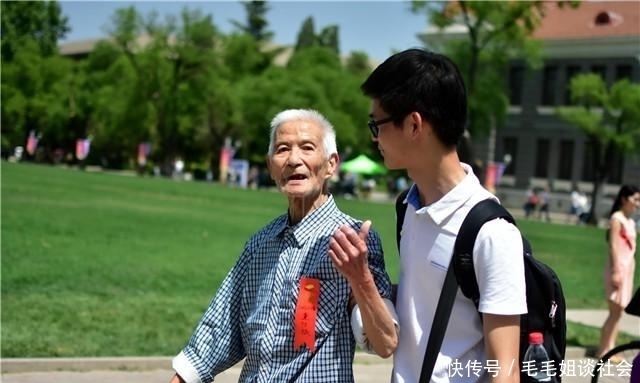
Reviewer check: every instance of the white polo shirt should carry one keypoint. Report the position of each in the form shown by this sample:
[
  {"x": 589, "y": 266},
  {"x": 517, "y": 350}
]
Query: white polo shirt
[{"x": 426, "y": 247}]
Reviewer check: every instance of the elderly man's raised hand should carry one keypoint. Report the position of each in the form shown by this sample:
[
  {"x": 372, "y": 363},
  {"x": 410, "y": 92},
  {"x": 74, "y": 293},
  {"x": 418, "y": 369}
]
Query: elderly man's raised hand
[{"x": 348, "y": 252}]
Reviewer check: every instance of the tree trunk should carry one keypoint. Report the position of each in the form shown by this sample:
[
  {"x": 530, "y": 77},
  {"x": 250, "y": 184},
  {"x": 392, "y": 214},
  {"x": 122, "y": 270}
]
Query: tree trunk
[{"x": 598, "y": 187}]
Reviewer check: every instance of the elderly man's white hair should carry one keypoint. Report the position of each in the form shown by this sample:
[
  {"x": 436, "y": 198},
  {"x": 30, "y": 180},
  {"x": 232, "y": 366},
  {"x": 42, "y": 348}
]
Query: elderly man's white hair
[{"x": 329, "y": 134}]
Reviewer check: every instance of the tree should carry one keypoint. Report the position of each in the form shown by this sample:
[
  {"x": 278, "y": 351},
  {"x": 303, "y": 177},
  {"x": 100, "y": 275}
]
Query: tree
[
  {"x": 358, "y": 64},
  {"x": 256, "y": 24},
  {"x": 496, "y": 32},
  {"x": 610, "y": 119},
  {"x": 33, "y": 78},
  {"x": 120, "y": 116},
  {"x": 322, "y": 83},
  {"x": 180, "y": 85},
  {"x": 40, "y": 21},
  {"x": 174, "y": 63},
  {"x": 328, "y": 38},
  {"x": 306, "y": 35},
  {"x": 35, "y": 97}
]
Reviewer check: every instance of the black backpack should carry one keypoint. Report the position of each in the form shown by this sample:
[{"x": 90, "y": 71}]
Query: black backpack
[{"x": 546, "y": 307}]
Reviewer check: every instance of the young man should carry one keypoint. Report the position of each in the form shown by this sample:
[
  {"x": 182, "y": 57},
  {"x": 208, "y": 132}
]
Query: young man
[
  {"x": 418, "y": 115},
  {"x": 283, "y": 306}
]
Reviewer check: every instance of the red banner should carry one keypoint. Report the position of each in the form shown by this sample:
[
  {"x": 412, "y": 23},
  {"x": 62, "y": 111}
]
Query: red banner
[
  {"x": 493, "y": 175},
  {"x": 82, "y": 148},
  {"x": 306, "y": 312},
  {"x": 144, "y": 148},
  {"x": 32, "y": 143}
]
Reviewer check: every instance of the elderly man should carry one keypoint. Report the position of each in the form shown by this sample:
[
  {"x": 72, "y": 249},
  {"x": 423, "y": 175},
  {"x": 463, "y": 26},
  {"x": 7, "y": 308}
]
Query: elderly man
[{"x": 284, "y": 306}]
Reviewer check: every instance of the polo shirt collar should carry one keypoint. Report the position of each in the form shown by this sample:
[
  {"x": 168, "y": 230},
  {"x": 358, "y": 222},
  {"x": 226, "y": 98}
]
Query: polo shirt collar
[{"x": 446, "y": 206}]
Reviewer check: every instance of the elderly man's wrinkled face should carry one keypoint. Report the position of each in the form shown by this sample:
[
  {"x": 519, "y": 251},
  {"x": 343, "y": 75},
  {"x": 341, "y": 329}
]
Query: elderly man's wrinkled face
[{"x": 299, "y": 164}]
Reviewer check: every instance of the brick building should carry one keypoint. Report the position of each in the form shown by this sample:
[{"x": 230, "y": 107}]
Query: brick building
[{"x": 599, "y": 36}]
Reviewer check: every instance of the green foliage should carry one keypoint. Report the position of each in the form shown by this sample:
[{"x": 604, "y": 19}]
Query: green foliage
[
  {"x": 243, "y": 56},
  {"x": 610, "y": 118},
  {"x": 497, "y": 32},
  {"x": 588, "y": 90},
  {"x": 180, "y": 84},
  {"x": 358, "y": 64},
  {"x": 329, "y": 38},
  {"x": 97, "y": 264},
  {"x": 624, "y": 103},
  {"x": 256, "y": 24},
  {"x": 35, "y": 96},
  {"x": 306, "y": 35},
  {"x": 38, "y": 21}
]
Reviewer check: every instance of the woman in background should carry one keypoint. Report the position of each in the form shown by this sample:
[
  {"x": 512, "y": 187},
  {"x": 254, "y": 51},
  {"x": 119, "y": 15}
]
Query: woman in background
[{"x": 620, "y": 262}]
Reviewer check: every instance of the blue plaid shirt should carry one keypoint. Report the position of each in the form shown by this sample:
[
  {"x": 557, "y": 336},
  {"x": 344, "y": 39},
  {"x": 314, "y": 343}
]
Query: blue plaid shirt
[{"x": 252, "y": 314}]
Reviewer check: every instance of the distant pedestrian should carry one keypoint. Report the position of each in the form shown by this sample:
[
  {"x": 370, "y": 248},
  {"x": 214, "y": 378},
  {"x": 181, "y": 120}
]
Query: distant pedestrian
[
  {"x": 531, "y": 202},
  {"x": 543, "y": 204},
  {"x": 579, "y": 208},
  {"x": 620, "y": 265}
]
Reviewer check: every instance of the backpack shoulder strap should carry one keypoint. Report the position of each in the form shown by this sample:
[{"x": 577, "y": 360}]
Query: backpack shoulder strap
[
  {"x": 462, "y": 262},
  {"x": 401, "y": 209}
]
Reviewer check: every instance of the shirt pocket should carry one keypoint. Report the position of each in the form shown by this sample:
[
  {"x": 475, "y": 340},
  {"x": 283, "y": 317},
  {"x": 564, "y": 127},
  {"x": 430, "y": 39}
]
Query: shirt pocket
[
  {"x": 439, "y": 261},
  {"x": 332, "y": 305}
]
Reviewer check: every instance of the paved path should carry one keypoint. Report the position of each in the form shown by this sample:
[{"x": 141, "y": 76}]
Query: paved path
[
  {"x": 367, "y": 368},
  {"x": 628, "y": 323},
  {"x": 364, "y": 373}
]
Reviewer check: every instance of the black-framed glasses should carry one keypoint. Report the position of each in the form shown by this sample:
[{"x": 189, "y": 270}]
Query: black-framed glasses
[{"x": 374, "y": 125}]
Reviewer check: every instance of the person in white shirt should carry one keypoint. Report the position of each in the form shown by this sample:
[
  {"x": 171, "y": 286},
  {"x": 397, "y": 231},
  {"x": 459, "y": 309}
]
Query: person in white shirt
[{"x": 418, "y": 116}]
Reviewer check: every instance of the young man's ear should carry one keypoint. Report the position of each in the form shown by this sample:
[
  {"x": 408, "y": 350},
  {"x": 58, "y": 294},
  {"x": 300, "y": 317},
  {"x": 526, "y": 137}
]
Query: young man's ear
[{"x": 416, "y": 123}]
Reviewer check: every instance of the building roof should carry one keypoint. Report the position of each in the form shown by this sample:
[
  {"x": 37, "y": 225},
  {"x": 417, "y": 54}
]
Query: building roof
[
  {"x": 71, "y": 48},
  {"x": 592, "y": 19},
  {"x": 82, "y": 47},
  {"x": 593, "y": 29}
]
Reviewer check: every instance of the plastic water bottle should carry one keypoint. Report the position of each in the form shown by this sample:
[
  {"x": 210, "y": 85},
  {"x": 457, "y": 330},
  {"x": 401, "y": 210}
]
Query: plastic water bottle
[{"x": 536, "y": 360}]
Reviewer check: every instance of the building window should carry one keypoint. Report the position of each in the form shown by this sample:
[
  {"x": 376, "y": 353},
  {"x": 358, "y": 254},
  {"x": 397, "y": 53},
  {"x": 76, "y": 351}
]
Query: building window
[
  {"x": 510, "y": 147},
  {"x": 565, "y": 159},
  {"x": 616, "y": 168},
  {"x": 571, "y": 71},
  {"x": 516, "y": 78},
  {"x": 542, "y": 158},
  {"x": 600, "y": 70},
  {"x": 549, "y": 84},
  {"x": 623, "y": 72}
]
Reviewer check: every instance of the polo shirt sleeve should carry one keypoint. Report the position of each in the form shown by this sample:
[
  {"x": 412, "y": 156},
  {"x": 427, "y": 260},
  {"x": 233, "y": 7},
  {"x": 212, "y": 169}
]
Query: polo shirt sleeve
[{"x": 499, "y": 267}]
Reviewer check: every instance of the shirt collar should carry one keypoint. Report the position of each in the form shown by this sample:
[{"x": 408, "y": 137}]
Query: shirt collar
[
  {"x": 450, "y": 202},
  {"x": 303, "y": 229}
]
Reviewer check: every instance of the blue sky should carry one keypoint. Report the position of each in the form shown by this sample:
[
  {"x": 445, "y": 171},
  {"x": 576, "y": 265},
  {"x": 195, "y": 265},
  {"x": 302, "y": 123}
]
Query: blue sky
[{"x": 376, "y": 27}]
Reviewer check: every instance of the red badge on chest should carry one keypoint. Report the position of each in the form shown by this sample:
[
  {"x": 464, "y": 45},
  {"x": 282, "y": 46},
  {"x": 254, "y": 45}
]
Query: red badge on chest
[{"x": 305, "y": 316}]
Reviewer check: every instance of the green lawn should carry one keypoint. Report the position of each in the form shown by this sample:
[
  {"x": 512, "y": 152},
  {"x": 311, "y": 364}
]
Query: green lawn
[{"x": 96, "y": 264}]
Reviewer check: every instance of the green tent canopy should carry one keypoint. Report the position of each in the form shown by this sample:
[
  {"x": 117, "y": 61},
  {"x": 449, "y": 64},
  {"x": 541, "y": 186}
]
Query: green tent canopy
[{"x": 363, "y": 165}]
